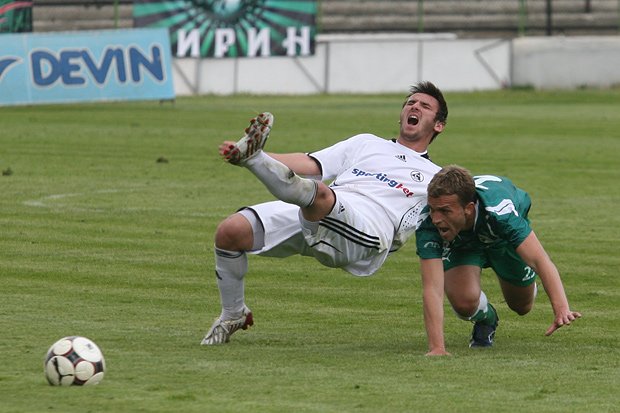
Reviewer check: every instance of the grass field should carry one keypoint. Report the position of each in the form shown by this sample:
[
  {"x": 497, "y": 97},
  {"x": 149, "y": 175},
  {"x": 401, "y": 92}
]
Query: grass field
[{"x": 99, "y": 239}]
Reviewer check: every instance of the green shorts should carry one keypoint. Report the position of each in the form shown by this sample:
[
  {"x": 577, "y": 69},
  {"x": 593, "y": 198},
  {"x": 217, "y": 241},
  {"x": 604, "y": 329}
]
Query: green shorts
[{"x": 502, "y": 258}]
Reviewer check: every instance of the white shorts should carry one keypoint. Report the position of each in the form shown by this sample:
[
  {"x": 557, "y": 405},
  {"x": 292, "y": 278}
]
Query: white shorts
[{"x": 347, "y": 238}]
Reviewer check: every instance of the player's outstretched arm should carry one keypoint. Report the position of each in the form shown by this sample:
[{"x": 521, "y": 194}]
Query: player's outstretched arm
[
  {"x": 432, "y": 296},
  {"x": 300, "y": 163},
  {"x": 533, "y": 253}
]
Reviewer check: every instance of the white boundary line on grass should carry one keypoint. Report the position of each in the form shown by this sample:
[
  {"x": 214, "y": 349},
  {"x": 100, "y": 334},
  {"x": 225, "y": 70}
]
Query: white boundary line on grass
[{"x": 44, "y": 202}]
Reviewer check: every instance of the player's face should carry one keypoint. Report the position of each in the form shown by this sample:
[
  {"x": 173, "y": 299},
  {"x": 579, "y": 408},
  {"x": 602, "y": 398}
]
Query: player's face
[
  {"x": 417, "y": 118},
  {"x": 449, "y": 216}
]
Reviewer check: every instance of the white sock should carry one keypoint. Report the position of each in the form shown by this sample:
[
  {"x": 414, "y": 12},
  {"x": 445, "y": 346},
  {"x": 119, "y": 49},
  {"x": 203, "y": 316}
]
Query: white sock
[
  {"x": 483, "y": 304},
  {"x": 230, "y": 268},
  {"x": 281, "y": 181}
]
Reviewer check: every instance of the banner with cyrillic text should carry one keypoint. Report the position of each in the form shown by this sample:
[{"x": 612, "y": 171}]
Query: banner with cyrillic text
[
  {"x": 232, "y": 28},
  {"x": 92, "y": 66}
]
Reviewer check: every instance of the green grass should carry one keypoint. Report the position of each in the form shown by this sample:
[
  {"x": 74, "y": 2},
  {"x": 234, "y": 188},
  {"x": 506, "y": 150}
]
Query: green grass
[{"x": 98, "y": 239}]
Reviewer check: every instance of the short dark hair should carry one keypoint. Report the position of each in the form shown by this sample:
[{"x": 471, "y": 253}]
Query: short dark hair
[
  {"x": 430, "y": 89},
  {"x": 453, "y": 180}
]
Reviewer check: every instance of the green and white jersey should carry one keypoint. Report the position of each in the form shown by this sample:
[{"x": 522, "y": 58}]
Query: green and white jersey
[{"x": 501, "y": 219}]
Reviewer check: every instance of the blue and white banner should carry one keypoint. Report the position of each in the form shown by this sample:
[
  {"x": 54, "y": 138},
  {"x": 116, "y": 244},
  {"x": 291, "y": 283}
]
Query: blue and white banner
[{"x": 85, "y": 66}]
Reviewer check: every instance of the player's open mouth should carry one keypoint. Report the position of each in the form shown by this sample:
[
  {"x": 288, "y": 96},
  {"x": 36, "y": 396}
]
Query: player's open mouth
[
  {"x": 443, "y": 231},
  {"x": 412, "y": 120}
]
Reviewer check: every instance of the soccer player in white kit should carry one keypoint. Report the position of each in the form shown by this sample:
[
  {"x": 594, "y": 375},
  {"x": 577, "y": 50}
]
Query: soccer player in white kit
[{"x": 370, "y": 208}]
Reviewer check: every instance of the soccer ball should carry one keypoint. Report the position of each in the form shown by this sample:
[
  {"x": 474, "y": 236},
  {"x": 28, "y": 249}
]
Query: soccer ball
[{"x": 74, "y": 361}]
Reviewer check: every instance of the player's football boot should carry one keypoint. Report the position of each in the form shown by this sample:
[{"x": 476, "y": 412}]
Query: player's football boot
[
  {"x": 221, "y": 330},
  {"x": 483, "y": 334},
  {"x": 252, "y": 142}
]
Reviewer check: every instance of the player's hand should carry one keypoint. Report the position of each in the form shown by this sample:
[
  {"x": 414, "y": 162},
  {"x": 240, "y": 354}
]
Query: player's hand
[{"x": 562, "y": 320}]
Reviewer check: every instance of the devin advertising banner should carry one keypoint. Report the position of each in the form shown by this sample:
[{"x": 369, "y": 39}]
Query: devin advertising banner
[
  {"x": 232, "y": 28},
  {"x": 15, "y": 16},
  {"x": 94, "y": 66}
]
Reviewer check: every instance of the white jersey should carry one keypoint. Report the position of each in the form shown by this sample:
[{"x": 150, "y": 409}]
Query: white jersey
[
  {"x": 380, "y": 188},
  {"x": 388, "y": 180}
]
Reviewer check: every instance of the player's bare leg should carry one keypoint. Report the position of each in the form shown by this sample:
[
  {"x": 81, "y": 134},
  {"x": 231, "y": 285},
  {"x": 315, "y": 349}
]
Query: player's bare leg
[
  {"x": 462, "y": 285},
  {"x": 233, "y": 237},
  {"x": 519, "y": 299},
  {"x": 279, "y": 179}
]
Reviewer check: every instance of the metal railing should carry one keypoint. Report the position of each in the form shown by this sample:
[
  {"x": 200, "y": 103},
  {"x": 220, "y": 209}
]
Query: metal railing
[{"x": 523, "y": 16}]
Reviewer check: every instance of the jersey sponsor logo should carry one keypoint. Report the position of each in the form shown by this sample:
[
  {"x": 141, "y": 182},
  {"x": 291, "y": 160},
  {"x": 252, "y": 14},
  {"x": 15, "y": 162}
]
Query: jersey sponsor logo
[
  {"x": 503, "y": 208},
  {"x": 401, "y": 158},
  {"x": 382, "y": 177},
  {"x": 417, "y": 176},
  {"x": 432, "y": 244}
]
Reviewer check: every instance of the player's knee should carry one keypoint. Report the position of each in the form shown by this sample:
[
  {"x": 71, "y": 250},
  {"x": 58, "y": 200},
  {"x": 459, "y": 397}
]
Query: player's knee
[
  {"x": 234, "y": 234},
  {"x": 523, "y": 301},
  {"x": 322, "y": 203},
  {"x": 465, "y": 308},
  {"x": 521, "y": 308}
]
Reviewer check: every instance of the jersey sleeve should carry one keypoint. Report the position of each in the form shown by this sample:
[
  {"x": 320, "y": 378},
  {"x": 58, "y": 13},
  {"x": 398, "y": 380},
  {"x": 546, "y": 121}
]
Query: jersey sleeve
[
  {"x": 512, "y": 228},
  {"x": 338, "y": 157},
  {"x": 428, "y": 241},
  {"x": 507, "y": 207}
]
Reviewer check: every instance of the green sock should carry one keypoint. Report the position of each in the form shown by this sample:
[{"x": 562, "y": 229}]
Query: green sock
[{"x": 488, "y": 316}]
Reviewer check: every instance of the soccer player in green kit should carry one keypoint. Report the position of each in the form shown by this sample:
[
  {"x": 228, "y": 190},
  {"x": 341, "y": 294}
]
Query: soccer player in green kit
[{"x": 477, "y": 222}]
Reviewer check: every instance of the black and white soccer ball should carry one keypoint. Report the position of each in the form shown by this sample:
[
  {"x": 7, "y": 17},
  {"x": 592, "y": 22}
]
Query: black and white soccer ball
[{"x": 74, "y": 361}]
